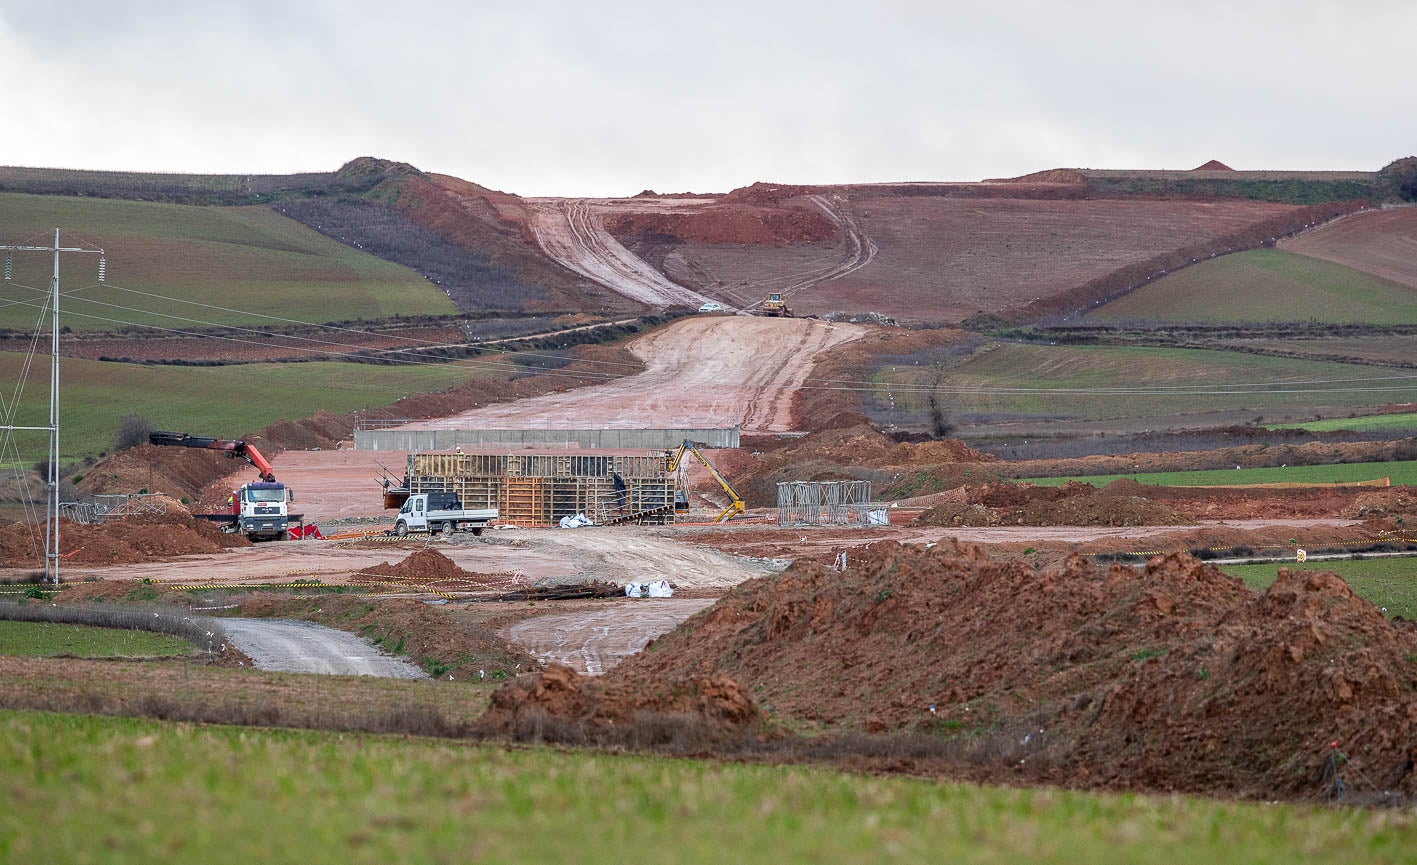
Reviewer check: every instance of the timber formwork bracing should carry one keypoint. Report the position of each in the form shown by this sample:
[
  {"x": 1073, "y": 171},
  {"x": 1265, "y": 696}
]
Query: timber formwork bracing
[
  {"x": 540, "y": 489},
  {"x": 824, "y": 503}
]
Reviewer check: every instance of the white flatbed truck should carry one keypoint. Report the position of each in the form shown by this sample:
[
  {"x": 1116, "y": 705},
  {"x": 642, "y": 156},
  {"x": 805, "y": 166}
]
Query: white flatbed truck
[{"x": 441, "y": 512}]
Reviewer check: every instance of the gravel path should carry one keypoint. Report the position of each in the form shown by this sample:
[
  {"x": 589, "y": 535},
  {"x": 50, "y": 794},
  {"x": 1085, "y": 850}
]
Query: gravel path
[{"x": 304, "y": 647}]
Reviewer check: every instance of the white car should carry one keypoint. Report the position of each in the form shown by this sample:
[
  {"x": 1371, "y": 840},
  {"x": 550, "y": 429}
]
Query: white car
[{"x": 711, "y": 307}]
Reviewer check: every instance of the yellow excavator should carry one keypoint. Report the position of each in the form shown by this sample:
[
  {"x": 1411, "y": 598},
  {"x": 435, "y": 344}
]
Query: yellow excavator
[{"x": 671, "y": 462}]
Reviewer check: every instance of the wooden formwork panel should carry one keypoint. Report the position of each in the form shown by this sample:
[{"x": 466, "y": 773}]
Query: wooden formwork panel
[
  {"x": 539, "y": 489},
  {"x": 523, "y": 502}
]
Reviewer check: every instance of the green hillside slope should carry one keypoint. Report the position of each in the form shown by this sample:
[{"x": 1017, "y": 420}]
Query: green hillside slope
[
  {"x": 235, "y": 400},
  {"x": 248, "y": 259},
  {"x": 1046, "y": 381},
  {"x": 1266, "y": 285}
]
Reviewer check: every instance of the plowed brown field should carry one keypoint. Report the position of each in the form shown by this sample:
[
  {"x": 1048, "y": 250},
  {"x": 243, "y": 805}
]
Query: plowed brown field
[
  {"x": 942, "y": 259},
  {"x": 1380, "y": 242}
]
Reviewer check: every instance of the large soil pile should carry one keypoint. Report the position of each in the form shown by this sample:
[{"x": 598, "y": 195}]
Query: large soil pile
[
  {"x": 861, "y": 452},
  {"x": 432, "y": 566},
  {"x": 1172, "y": 678},
  {"x": 564, "y": 706},
  {"x": 131, "y": 540},
  {"x": 1072, "y": 504}
]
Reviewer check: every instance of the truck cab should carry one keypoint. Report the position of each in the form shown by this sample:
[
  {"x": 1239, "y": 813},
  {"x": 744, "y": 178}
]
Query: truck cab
[{"x": 261, "y": 511}]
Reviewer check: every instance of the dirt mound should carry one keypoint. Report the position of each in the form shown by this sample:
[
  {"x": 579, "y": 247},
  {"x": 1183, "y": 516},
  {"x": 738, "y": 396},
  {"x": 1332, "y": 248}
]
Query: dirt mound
[
  {"x": 1213, "y": 165},
  {"x": 426, "y": 564},
  {"x": 1172, "y": 678},
  {"x": 560, "y": 704},
  {"x": 1052, "y": 175},
  {"x": 1099, "y": 509},
  {"x": 1395, "y": 501},
  {"x": 131, "y": 540},
  {"x": 1072, "y": 504},
  {"x": 861, "y": 452}
]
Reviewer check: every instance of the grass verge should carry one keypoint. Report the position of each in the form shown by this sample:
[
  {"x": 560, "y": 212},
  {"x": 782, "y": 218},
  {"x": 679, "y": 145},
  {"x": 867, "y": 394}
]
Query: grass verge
[
  {"x": 1401, "y": 473},
  {"x": 1389, "y": 583},
  {"x": 1398, "y": 421},
  {"x": 137, "y": 791},
  {"x": 46, "y": 639}
]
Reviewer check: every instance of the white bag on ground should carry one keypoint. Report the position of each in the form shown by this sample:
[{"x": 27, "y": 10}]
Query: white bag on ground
[{"x": 654, "y": 589}]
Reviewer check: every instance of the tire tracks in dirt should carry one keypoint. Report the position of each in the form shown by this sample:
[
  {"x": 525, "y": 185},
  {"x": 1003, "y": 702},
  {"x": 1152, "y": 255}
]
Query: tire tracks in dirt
[
  {"x": 572, "y": 233},
  {"x": 711, "y": 371}
]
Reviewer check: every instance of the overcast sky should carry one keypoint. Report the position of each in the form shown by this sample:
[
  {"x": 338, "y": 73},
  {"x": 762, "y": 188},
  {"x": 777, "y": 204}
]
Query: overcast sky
[{"x": 608, "y": 98}]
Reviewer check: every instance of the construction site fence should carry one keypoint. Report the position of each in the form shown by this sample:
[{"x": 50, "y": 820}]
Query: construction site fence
[
  {"x": 109, "y": 507},
  {"x": 828, "y": 503},
  {"x": 608, "y": 439}
]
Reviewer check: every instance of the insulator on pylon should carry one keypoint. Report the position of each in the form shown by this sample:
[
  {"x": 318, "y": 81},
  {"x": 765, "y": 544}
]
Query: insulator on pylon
[
  {"x": 102, "y": 267},
  {"x": 9, "y": 267}
]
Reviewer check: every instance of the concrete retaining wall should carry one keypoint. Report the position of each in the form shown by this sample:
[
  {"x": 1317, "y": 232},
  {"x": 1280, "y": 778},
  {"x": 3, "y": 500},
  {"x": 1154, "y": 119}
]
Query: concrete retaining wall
[{"x": 447, "y": 439}]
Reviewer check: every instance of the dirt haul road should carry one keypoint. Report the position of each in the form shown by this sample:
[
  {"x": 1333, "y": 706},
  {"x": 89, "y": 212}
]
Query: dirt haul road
[
  {"x": 593, "y": 642},
  {"x": 713, "y": 371},
  {"x": 617, "y": 554},
  {"x": 572, "y": 232}
]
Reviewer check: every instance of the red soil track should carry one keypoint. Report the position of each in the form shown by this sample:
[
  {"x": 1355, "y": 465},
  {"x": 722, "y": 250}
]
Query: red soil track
[{"x": 700, "y": 372}]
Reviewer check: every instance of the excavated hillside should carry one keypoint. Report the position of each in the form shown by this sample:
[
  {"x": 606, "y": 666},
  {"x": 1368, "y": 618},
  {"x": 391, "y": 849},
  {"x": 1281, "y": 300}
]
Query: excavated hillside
[{"x": 1175, "y": 677}]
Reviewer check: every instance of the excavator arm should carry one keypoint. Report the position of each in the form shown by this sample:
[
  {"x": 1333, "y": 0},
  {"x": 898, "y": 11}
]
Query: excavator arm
[
  {"x": 234, "y": 449},
  {"x": 735, "y": 502}
]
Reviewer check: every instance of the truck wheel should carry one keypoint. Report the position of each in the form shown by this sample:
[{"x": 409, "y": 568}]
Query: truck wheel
[
  {"x": 477, "y": 532},
  {"x": 401, "y": 529},
  {"x": 448, "y": 530}
]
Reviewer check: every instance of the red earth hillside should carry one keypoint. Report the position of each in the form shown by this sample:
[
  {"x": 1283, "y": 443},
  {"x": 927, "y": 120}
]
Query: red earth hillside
[{"x": 1175, "y": 677}]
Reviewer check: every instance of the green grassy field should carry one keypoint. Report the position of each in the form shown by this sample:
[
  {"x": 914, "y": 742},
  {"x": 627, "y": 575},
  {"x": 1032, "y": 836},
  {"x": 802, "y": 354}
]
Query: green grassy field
[
  {"x": 225, "y": 400},
  {"x": 119, "y": 790},
  {"x": 1216, "y": 380},
  {"x": 45, "y": 639},
  {"x": 1387, "y": 582},
  {"x": 1266, "y": 285},
  {"x": 1402, "y": 421},
  {"x": 1401, "y": 473},
  {"x": 249, "y": 259}
]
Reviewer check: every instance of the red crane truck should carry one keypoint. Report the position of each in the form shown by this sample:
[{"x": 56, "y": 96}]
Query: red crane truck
[{"x": 258, "y": 509}]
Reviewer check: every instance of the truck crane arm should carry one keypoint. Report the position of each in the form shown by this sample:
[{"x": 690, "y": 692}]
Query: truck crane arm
[
  {"x": 234, "y": 449},
  {"x": 735, "y": 506}
]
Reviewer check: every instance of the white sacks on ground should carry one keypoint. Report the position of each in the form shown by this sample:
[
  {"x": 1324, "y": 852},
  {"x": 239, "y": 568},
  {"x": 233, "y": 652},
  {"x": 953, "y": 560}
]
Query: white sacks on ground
[
  {"x": 576, "y": 521},
  {"x": 655, "y": 589}
]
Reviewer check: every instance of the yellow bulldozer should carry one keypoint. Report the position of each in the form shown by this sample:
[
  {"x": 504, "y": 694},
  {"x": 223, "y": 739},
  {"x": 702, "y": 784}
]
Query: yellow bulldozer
[{"x": 776, "y": 307}]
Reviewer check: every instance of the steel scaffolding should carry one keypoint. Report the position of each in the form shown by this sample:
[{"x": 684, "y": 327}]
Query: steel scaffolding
[{"x": 826, "y": 503}]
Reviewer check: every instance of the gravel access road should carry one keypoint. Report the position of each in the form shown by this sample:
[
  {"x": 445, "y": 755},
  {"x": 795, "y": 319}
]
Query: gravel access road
[{"x": 304, "y": 647}]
